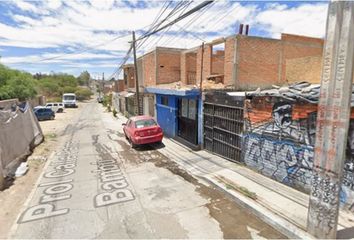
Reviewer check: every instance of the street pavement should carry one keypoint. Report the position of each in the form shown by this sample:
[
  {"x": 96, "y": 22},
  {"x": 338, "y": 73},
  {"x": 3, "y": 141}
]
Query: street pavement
[{"x": 96, "y": 186}]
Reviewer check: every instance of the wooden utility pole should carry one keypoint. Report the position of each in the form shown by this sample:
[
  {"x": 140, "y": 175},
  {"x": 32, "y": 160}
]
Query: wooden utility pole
[
  {"x": 136, "y": 74},
  {"x": 332, "y": 120},
  {"x": 201, "y": 69}
]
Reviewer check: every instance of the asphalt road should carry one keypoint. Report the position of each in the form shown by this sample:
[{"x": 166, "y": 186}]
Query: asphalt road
[{"x": 96, "y": 186}]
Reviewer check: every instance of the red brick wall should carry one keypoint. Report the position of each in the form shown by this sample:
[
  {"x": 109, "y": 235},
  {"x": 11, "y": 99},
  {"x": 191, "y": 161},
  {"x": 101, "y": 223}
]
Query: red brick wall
[
  {"x": 229, "y": 61},
  {"x": 129, "y": 75},
  {"x": 301, "y": 48},
  {"x": 188, "y": 67},
  {"x": 168, "y": 66},
  {"x": 118, "y": 86},
  {"x": 121, "y": 85},
  {"x": 184, "y": 68},
  {"x": 206, "y": 61},
  {"x": 217, "y": 63},
  {"x": 258, "y": 62},
  {"x": 149, "y": 69}
]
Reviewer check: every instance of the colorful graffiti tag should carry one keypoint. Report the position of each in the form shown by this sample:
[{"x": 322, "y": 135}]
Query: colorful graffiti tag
[{"x": 279, "y": 142}]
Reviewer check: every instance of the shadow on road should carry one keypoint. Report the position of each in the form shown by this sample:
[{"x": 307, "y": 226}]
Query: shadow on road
[{"x": 149, "y": 147}]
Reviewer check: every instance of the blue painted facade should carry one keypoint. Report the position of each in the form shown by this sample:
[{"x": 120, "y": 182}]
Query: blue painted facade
[{"x": 167, "y": 115}]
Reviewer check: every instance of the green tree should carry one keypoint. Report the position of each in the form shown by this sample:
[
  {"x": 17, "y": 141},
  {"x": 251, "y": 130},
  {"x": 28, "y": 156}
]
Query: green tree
[
  {"x": 83, "y": 94},
  {"x": 84, "y": 78},
  {"x": 21, "y": 87}
]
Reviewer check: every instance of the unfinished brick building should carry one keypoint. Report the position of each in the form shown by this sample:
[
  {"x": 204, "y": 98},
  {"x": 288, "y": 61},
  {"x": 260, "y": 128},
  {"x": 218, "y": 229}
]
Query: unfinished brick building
[
  {"x": 248, "y": 62},
  {"x": 160, "y": 66},
  {"x": 129, "y": 77}
]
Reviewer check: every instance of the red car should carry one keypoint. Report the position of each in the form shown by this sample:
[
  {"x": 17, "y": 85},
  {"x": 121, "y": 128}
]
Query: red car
[{"x": 142, "y": 130}]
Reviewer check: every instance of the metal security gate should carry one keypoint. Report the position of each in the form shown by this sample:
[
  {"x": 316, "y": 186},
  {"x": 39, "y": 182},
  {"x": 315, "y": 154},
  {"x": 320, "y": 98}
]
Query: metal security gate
[
  {"x": 223, "y": 125},
  {"x": 188, "y": 120}
]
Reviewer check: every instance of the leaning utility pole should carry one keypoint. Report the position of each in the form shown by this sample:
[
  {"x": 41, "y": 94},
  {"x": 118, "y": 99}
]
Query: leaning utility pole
[
  {"x": 136, "y": 74},
  {"x": 332, "y": 120}
]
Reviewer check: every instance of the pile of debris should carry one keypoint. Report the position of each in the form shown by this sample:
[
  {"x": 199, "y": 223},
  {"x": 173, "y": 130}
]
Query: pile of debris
[{"x": 298, "y": 91}]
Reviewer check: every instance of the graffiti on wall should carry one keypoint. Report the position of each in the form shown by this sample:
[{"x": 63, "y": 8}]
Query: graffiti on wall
[
  {"x": 279, "y": 143},
  {"x": 280, "y": 147}
]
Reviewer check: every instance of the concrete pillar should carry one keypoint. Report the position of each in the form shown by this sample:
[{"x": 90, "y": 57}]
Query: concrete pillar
[{"x": 332, "y": 120}]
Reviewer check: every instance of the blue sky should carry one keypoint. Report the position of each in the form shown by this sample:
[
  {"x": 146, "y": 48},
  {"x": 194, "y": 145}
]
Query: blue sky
[{"x": 73, "y": 36}]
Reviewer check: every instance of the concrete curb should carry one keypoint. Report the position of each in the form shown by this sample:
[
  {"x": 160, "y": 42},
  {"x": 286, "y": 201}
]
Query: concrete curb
[{"x": 274, "y": 220}]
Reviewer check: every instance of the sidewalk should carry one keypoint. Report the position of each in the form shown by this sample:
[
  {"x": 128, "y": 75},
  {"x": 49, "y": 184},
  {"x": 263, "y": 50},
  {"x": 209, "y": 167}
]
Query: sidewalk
[{"x": 282, "y": 207}]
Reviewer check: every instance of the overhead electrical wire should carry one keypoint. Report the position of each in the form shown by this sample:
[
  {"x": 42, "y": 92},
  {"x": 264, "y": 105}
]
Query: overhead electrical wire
[
  {"x": 158, "y": 28},
  {"x": 175, "y": 10}
]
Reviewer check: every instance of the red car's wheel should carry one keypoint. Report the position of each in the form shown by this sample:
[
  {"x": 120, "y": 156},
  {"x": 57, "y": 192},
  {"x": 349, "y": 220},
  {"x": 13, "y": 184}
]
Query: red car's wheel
[{"x": 133, "y": 145}]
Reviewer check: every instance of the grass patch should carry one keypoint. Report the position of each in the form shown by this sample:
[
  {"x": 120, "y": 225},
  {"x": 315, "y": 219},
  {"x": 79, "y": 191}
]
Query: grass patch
[
  {"x": 231, "y": 185},
  {"x": 51, "y": 136}
]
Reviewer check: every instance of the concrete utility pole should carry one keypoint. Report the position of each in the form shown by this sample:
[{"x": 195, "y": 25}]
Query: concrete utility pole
[
  {"x": 332, "y": 120},
  {"x": 136, "y": 74},
  {"x": 201, "y": 69}
]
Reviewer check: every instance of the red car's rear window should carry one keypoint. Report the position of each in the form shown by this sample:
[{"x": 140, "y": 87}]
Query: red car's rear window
[{"x": 145, "y": 123}]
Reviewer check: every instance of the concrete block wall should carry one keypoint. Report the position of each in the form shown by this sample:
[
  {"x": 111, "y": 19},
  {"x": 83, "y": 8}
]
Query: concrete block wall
[{"x": 279, "y": 142}]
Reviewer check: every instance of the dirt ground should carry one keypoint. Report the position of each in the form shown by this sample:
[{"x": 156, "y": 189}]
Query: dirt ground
[{"x": 13, "y": 198}]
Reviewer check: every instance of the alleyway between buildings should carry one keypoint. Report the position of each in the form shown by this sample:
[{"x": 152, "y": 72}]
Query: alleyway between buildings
[{"x": 96, "y": 186}]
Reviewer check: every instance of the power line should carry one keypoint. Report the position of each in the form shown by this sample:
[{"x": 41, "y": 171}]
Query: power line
[
  {"x": 148, "y": 34},
  {"x": 173, "y": 12},
  {"x": 189, "y": 23},
  {"x": 190, "y": 12}
]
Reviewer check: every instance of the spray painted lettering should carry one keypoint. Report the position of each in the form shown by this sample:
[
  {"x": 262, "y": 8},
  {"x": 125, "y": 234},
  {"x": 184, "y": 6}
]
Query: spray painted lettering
[{"x": 279, "y": 142}]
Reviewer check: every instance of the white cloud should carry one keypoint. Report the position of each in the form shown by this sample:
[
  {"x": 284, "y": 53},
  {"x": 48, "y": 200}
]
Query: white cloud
[
  {"x": 29, "y": 7},
  {"x": 74, "y": 25},
  {"x": 54, "y": 4},
  {"x": 306, "y": 19},
  {"x": 36, "y": 59}
]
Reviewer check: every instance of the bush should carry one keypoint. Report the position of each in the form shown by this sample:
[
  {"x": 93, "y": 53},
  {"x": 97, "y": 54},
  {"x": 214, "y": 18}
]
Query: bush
[
  {"x": 83, "y": 94},
  {"x": 109, "y": 108},
  {"x": 115, "y": 112},
  {"x": 54, "y": 99},
  {"x": 107, "y": 100}
]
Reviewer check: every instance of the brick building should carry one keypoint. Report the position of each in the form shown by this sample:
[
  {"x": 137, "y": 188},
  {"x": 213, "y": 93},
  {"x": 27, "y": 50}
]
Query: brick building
[
  {"x": 248, "y": 62},
  {"x": 160, "y": 66},
  {"x": 129, "y": 76}
]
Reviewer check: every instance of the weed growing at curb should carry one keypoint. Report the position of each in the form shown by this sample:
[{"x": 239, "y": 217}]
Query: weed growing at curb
[{"x": 231, "y": 185}]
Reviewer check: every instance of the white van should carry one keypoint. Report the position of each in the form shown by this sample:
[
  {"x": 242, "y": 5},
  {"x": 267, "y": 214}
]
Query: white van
[
  {"x": 69, "y": 100},
  {"x": 56, "y": 107}
]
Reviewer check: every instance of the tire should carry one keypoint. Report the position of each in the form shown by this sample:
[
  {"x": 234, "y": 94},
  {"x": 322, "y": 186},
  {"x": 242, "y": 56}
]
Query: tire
[
  {"x": 60, "y": 110},
  {"x": 132, "y": 145},
  {"x": 52, "y": 118}
]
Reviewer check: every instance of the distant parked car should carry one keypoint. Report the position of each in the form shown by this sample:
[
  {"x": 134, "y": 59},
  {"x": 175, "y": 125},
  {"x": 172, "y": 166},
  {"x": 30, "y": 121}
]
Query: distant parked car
[
  {"x": 44, "y": 114},
  {"x": 142, "y": 130},
  {"x": 38, "y": 107},
  {"x": 56, "y": 107}
]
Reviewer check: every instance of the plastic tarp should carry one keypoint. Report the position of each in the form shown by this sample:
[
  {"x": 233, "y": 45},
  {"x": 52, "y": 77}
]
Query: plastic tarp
[{"x": 20, "y": 132}]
